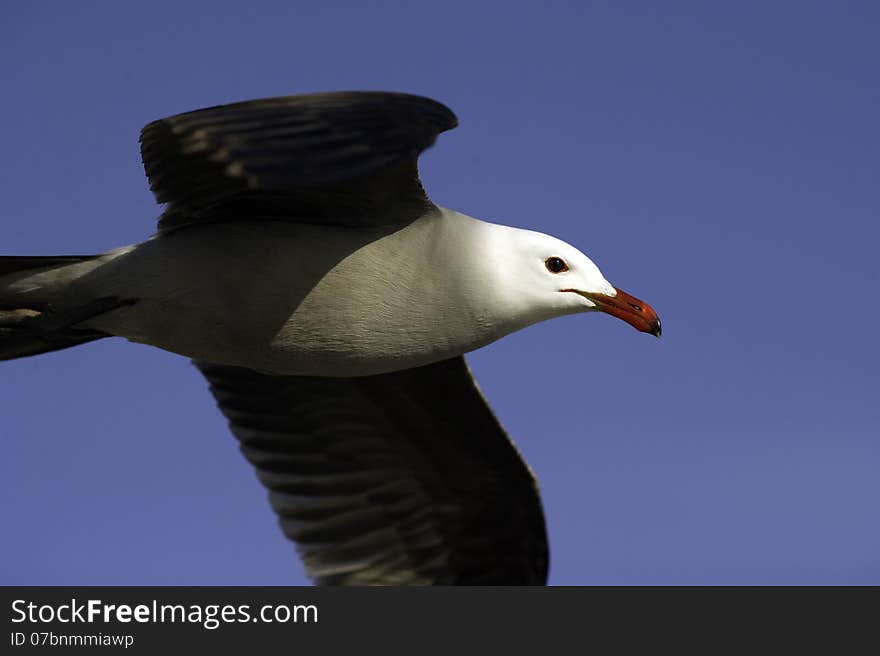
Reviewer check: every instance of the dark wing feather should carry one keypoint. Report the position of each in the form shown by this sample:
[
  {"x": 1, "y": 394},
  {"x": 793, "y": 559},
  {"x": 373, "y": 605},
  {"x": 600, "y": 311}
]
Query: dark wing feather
[
  {"x": 345, "y": 157},
  {"x": 398, "y": 479}
]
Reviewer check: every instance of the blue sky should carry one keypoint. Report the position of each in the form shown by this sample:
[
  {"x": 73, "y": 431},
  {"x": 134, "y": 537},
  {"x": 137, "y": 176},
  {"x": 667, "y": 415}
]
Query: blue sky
[{"x": 719, "y": 160}]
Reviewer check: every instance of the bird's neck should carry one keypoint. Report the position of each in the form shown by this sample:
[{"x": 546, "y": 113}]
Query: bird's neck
[{"x": 484, "y": 277}]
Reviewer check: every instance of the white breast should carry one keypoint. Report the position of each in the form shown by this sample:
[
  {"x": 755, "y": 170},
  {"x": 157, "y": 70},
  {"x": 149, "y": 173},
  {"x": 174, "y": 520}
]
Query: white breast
[{"x": 303, "y": 299}]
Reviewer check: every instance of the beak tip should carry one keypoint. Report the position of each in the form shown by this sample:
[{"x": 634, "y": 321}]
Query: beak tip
[{"x": 636, "y": 313}]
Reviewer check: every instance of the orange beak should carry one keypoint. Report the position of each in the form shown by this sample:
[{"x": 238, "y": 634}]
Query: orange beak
[{"x": 636, "y": 313}]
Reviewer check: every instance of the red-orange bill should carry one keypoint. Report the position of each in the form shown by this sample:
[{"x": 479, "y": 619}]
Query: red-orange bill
[{"x": 635, "y": 312}]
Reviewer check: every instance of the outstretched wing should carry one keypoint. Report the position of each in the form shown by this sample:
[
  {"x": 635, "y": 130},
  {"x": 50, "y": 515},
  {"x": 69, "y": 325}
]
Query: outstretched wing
[
  {"x": 397, "y": 479},
  {"x": 347, "y": 157}
]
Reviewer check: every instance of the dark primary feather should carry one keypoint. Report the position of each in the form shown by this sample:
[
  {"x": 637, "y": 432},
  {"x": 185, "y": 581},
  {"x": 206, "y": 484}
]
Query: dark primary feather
[
  {"x": 16, "y": 263},
  {"x": 346, "y": 157},
  {"x": 398, "y": 479}
]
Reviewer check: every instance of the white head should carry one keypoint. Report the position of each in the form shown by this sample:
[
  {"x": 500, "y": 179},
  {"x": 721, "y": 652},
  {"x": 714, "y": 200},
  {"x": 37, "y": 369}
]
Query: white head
[{"x": 544, "y": 277}]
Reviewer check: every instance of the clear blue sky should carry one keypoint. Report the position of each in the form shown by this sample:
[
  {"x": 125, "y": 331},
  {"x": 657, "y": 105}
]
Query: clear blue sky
[{"x": 719, "y": 160}]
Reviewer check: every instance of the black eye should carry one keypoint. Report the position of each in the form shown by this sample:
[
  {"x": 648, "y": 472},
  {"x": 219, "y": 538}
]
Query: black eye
[{"x": 555, "y": 265}]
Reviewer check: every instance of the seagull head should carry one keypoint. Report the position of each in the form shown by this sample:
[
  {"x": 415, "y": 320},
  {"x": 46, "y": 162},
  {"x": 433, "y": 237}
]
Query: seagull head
[{"x": 559, "y": 279}]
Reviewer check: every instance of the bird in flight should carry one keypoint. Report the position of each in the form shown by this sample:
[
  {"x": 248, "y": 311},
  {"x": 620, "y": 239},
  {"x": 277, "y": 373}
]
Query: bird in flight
[{"x": 301, "y": 266}]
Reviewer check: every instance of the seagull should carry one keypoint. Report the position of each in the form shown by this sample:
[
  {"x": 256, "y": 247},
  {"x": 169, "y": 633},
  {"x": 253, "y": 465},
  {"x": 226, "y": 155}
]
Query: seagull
[{"x": 300, "y": 265}]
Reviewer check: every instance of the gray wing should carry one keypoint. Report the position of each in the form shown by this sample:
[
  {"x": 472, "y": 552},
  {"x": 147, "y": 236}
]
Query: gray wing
[
  {"x": 346, "y": 157},
  {"x": 398, "y": 479}
]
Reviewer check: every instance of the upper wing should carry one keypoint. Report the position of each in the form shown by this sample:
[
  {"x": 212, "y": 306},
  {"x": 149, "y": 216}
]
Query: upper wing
[
  {"x": 396, "y": 479},
  {"x": 344, "y": 157}
]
